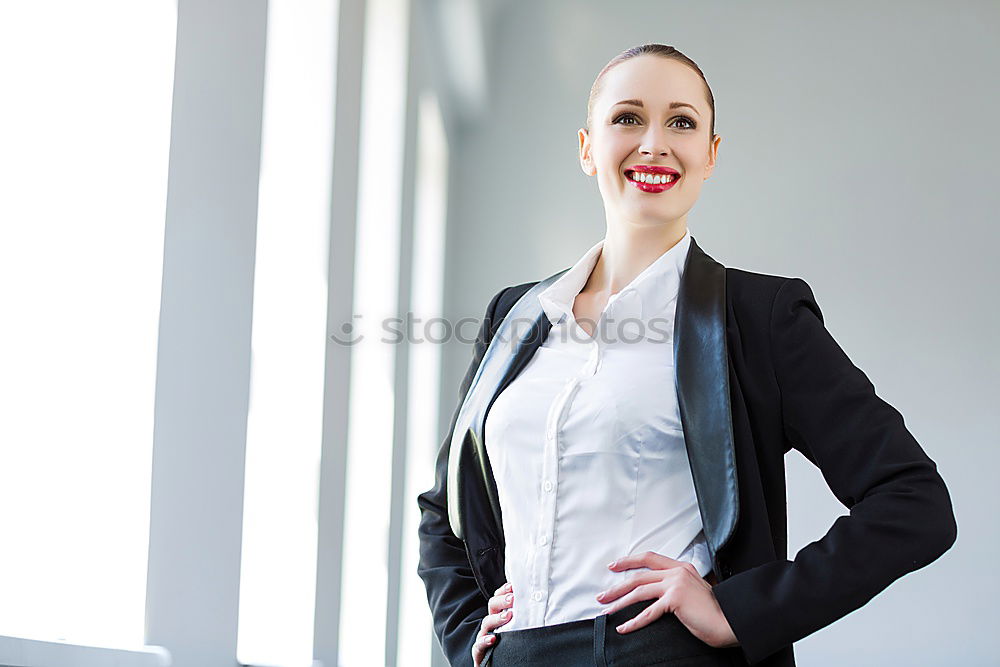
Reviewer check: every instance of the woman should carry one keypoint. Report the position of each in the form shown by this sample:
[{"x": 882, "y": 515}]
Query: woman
[{"x": 637, "y": 407}]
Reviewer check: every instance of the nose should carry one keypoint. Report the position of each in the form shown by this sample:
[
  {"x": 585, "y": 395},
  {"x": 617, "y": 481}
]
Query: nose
[{"x": 654, "y": 142}]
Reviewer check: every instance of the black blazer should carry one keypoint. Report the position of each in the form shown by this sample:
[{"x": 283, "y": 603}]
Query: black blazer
[{"x": 757, "y": 374}]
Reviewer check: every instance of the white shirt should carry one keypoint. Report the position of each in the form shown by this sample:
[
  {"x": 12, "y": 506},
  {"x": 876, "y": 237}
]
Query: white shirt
[{"x": 587, "y": 449}]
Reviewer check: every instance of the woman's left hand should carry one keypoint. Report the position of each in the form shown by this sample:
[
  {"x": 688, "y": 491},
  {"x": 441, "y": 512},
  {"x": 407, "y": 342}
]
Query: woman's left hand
[{"x": 678, "y": 589}]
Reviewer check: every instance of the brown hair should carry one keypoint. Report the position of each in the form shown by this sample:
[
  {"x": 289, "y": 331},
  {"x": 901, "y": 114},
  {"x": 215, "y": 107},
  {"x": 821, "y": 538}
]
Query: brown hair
[{"x": 659, "y": 50}]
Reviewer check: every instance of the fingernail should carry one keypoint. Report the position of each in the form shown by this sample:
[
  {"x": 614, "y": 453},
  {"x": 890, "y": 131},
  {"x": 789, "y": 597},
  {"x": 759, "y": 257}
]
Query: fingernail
[
  {"x": 619, "y": 628},
  {"x": 612, "y": 563},
  {"x": 510, "y": 597},
  {"x": 490, "y": 639},
  {"x": 506, "y": 586}
]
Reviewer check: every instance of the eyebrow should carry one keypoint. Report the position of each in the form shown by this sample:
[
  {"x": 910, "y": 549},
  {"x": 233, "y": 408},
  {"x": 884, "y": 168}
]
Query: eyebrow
[{"x": 673, "y": 105}]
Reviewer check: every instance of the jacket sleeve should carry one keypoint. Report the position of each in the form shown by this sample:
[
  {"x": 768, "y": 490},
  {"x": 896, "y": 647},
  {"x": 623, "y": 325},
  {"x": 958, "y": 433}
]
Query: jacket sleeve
[
  {"x": 901, "y": 515},
  {"x": 457, "y": 605}
]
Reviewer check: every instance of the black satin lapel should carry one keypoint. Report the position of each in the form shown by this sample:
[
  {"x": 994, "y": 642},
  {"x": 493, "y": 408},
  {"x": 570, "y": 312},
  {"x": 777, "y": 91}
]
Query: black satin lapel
[
  {"x": 525, "y": 348},
  {"x": 702, "y": 374},
  {"x": 522, "y": 331}
]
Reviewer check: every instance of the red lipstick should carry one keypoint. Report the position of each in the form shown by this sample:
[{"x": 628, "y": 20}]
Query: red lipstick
[{"x": 651, "y": 169}]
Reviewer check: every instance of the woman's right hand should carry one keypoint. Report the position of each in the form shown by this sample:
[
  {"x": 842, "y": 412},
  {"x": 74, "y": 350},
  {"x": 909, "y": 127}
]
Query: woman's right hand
[{"x": 500, "y": 613}]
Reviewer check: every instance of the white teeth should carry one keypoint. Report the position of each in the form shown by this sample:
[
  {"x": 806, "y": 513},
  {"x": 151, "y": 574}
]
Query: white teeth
[{"x": 653, "y": 179}]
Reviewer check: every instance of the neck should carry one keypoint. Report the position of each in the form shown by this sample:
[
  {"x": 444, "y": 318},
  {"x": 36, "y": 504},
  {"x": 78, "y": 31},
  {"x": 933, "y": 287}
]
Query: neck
[{"x": 627, "y": 251}]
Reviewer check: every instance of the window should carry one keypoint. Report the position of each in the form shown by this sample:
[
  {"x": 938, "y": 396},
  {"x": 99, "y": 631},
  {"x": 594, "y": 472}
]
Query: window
[
  {"x": 284, "y": 428},
  {"x": 85, "y": 130}
]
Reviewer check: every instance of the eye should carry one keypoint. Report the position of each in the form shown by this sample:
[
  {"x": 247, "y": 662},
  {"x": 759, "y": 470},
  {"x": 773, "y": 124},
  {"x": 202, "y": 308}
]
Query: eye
[
  {"x": 628, "y": 114},
  {"x": 688, "y": 120},
  {"x": 624, "y": 115}
]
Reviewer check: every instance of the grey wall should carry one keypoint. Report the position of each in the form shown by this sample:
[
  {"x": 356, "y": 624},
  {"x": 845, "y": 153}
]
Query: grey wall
[{"x": 858, "y": 153}]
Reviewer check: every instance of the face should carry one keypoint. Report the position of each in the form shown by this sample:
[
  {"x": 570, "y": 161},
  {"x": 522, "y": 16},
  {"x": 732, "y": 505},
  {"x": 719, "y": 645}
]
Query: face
[{"x": 623, "y": 136}]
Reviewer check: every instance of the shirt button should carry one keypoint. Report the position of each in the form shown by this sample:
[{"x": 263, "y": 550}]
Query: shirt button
[
  {"x": 543, "y": 540},
  {"x": 536, "y": 596},
  {"x": 547, "y": 485}
]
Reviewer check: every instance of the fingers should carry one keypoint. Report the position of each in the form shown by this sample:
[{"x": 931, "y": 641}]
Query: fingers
[
  {"x": 493, "y": 621},
  {"x": 649, "y": 559},
  {"x": 642, "y": 619},
  {"x": 620, "y": 589},
  {"x": 482, "y": 643},
  {"x": 500, "y": 612},
  {"x": 645, "y": 592},
  {"x": 502, "y": 599}
]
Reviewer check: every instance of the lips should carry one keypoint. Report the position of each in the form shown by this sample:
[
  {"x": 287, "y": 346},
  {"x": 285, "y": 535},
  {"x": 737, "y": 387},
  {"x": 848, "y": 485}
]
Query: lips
[{"x": 649, "y": 169}]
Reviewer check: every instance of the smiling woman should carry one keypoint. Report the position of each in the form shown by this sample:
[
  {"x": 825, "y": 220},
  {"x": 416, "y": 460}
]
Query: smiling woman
[
  {"x": 574, "y": 445},
  {"x": 650, "y": 112}
]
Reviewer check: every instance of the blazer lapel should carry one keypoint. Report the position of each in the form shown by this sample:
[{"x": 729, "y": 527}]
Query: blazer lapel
[
  {"x": 701, "y": 362},
  {"x": 522, "y": 331}
]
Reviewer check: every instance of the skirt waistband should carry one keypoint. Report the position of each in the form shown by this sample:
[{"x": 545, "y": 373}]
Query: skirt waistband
[{"x": 596, "y": 642}]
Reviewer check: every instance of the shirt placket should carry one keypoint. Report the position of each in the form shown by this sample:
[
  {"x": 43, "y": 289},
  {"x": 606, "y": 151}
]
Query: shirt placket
[{"x": 545, "y": 531}]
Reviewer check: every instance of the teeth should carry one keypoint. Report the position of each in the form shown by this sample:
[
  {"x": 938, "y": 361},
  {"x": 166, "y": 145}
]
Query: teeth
[{"x": 653, "y": 179}]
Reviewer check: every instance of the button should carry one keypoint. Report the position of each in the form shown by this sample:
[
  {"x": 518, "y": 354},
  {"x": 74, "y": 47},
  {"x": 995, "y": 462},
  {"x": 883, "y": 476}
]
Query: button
[
  {"x": 536, "y": 596},
  {"x": 547, "y": 486},
  {"x": 543, "y": 540}
]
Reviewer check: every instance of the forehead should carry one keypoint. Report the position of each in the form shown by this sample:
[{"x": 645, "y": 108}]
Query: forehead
[{"x": 653, "y": 79}]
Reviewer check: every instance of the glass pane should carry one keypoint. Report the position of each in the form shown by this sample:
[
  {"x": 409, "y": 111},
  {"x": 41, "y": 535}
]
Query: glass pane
[
  {"x": 372, "y": 397},
  {"x": 415, "y": 622},
  {"x": 85, "y": 130},
  {"x": 284, "y": 430}
]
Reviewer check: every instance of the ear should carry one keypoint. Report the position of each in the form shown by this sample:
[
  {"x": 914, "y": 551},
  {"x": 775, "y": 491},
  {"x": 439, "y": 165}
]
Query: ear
[
  {"x": 713, "y": 154},
  {"x": 586, "y": 159}
]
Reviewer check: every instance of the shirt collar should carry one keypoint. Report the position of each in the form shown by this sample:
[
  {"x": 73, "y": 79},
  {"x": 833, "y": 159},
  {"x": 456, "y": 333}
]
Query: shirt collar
[{"x": 646, "y": 295}]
